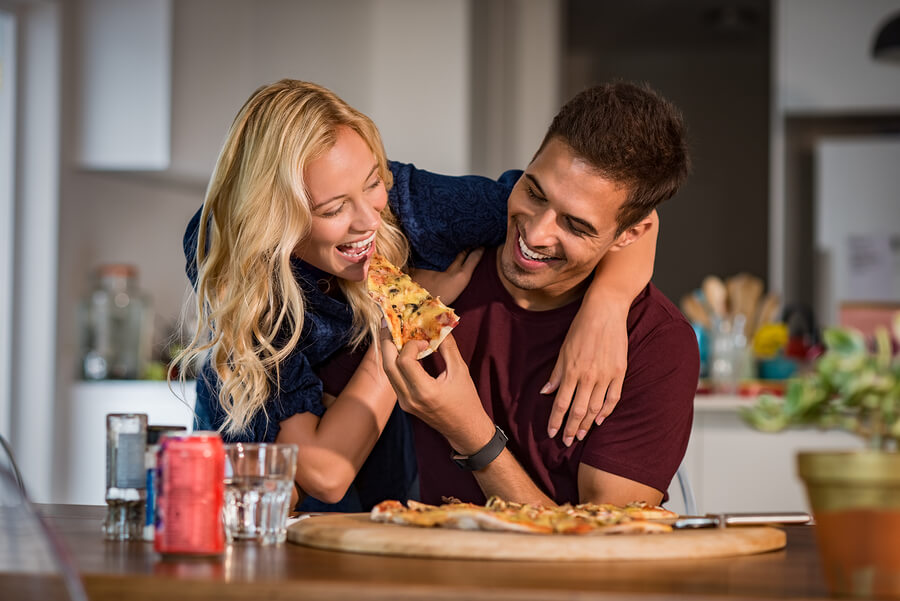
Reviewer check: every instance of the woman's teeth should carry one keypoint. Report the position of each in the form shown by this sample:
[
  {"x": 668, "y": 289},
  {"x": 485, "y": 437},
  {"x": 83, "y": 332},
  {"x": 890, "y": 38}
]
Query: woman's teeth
[
  {"x": 356, "y": 249},
  {"x": 530, "y": 254}
]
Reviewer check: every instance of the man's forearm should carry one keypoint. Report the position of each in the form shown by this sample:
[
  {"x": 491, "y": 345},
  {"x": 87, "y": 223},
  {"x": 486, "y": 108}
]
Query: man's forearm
[{"x": 505, "y": 478}]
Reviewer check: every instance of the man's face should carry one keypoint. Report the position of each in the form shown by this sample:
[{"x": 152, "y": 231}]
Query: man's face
[{"x": 561, "y": 220}]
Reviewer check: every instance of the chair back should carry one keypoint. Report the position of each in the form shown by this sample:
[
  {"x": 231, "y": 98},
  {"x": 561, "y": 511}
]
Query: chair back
[
  {"x": 8, "y": 461},
  {"x": 34, "y": 563},
  {"x": 681, "y": 495}
]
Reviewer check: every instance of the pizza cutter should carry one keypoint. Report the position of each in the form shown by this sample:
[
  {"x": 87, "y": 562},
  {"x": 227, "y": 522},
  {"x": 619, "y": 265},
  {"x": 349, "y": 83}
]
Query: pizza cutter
[{"x": 722, "y": 520}]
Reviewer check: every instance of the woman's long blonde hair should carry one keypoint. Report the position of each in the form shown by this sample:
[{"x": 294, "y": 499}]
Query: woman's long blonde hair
[{"x": 257, "y": 211}]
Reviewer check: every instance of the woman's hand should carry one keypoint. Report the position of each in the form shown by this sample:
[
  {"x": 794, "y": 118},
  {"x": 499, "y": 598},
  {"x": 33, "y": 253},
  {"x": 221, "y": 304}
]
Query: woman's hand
[
  {"x": 449, "y": 284},
  {"x": 589, "y": 372}
]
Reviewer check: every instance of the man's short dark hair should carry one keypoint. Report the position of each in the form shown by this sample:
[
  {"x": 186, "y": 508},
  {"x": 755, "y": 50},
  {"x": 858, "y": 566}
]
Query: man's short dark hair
[{"x": 630, "y": 135}]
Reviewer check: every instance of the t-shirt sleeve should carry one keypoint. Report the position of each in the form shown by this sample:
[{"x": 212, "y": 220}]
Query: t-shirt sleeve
[
  {"x": 300, "y": 392},
  {"x": 646, "y": 436},
  {"x": 444, "y": 215}
]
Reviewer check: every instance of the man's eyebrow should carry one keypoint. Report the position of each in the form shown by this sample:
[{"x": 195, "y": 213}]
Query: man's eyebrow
[
  {"x": 536, "y": 184},
  {"x": 340, "y": 196},
  {"x": 590, "y": 229}
]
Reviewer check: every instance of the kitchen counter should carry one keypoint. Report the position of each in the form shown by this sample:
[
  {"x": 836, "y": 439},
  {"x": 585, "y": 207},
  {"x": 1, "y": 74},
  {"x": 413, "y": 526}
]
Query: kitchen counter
[{"x": 759, "y": 467}]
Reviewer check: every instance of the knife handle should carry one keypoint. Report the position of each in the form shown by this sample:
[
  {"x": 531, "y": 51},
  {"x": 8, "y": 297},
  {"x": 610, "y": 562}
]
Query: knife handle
[{"x": 748, "y": 519}]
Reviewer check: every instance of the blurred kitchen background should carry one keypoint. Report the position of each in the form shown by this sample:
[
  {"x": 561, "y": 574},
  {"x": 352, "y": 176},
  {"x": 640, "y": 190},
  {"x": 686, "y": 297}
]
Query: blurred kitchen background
[{"x": 112, "y": 113}]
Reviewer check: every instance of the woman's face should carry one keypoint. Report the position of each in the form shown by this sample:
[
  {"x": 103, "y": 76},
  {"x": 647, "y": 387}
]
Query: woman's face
[{"x": 347, "y": 196}]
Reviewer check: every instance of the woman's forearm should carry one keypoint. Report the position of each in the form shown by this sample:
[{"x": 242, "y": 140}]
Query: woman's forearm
[
  {"x": 334, "y": 447},
  {"x": 621, "y": 275}
]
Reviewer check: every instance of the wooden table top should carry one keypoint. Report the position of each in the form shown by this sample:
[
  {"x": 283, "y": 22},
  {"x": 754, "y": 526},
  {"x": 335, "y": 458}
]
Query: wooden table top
[{"x": 133, "y": 571}]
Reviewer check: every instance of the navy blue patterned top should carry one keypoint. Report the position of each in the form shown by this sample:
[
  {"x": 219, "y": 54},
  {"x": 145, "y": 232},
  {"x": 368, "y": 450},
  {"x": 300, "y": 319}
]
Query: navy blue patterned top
[{"x": 441, "y": 216}]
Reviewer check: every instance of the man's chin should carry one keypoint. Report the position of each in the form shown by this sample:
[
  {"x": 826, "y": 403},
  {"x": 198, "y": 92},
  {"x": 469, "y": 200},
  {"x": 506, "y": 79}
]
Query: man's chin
[{"x": 515, "y": 275}]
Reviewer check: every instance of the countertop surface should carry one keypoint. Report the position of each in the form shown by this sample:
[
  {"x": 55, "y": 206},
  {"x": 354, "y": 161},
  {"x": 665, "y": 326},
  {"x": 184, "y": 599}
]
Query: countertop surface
[{"x": 112, "y": 570}]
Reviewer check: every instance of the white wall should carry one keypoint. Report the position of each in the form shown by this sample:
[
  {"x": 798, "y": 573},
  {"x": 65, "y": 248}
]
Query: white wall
[
  {"x": 7, "y": 204},
  {"x": 34, "y": 300},
  {"x": 125, "y": 93},
  {"x": 421, "y": 71}
]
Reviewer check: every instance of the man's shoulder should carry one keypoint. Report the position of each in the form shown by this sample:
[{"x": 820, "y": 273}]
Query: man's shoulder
[{"x": 653, "y": 315}]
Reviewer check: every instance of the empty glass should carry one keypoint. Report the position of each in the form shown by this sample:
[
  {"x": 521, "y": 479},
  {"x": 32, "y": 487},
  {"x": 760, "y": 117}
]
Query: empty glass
[
  {"x": 259, "y": 480},
  {"x": 730, "y": 355}
]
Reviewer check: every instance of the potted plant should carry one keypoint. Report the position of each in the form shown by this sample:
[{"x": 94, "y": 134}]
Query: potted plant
[{"x": 854, "y": 495}]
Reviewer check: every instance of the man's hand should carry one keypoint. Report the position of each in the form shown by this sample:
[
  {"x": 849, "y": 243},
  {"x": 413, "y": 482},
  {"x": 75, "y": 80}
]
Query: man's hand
[
  {"x": 449, "y": 284},
  {"x": 448, "y": 403},
  {"x": 591, "y": 368}
]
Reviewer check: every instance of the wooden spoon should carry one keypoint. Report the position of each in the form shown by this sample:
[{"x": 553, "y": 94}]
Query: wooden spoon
[
  {"x": 753, "y": 290},
  {"x": 716, "y": 295},
  {"x": 769, "y": 309},
  {"x": 694, "y": 310}
]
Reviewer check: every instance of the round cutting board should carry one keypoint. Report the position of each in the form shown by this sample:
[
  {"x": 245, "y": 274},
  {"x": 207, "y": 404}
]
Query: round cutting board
[{"x": 357, "y": 533}]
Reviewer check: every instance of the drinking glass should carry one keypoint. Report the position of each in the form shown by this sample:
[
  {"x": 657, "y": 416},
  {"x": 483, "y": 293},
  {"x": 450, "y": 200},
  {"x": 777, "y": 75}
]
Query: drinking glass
[
  {"x": 259, "y": 479},
  {"x": 730, "y": 355}
]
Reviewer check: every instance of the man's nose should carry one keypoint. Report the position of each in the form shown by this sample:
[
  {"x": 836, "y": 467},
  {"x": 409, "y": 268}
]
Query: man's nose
[{"x": 542, "y": 229}]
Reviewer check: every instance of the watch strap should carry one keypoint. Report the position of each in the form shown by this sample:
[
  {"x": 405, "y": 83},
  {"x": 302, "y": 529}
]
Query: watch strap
[{"x": 487, "y": 453}]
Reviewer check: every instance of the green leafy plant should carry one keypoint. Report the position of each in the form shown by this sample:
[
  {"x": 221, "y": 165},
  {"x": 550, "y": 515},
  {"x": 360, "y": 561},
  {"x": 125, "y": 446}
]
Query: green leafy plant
[{"x": 852, "y": 388}]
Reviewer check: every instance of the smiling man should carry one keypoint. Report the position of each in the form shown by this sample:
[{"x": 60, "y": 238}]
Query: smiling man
[{"x": 610, "y": 156}]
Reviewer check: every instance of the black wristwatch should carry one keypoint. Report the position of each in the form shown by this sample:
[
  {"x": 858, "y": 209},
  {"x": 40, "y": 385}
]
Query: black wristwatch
[{"x": 482, "y": 458}]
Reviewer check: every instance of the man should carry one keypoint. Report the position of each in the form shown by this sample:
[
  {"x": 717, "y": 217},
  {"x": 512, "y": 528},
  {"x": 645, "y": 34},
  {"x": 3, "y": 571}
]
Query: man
[{"x": 610, "y": 156}]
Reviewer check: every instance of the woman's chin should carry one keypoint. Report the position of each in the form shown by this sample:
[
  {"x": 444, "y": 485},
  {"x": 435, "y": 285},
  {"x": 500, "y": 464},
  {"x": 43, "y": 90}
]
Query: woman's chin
[{"x": 354, "y": 273}]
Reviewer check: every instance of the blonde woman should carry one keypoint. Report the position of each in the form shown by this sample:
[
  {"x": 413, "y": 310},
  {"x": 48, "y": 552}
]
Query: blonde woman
[{"x": 301, "y": 196}]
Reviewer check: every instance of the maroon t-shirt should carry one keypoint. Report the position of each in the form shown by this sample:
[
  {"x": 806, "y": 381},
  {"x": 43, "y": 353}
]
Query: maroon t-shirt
[{"x": 511, "y": 352}]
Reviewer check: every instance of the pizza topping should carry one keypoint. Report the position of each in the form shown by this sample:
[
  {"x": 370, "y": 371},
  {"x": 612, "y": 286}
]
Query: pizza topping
[
  {"x": 507, "y": 516},
  {"x": 410, "y": 311}
]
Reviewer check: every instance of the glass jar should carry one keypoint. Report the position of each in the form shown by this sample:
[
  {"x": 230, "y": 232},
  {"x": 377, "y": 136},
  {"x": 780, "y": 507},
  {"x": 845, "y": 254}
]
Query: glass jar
[{"x": 116, "y": 322}]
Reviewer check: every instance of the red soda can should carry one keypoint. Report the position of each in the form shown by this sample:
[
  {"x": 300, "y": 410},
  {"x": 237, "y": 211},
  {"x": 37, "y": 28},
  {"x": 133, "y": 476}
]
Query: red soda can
[{"x": 191, "y": 477}]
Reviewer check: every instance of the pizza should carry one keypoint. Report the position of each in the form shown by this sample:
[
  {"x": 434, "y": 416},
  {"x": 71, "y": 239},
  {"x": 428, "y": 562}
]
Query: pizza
[
  {"x": 410, "y": 311},
  {"x": 498, "y": 515}
]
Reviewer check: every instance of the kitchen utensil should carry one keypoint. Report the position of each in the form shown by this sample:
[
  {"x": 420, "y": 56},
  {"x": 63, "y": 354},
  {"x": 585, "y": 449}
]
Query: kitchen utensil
[
  {"x": 722, "y": 520},
  {"x": 752, "y": 292},
  {"x": 695, "y": 311},
  {"x": 768, "y": 309},
  {"x": 716, "y": 295},
  {"x": 734, "y": 287}
]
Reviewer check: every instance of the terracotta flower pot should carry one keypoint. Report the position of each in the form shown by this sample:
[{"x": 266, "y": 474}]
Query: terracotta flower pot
[{"x": 855, "y": 498}]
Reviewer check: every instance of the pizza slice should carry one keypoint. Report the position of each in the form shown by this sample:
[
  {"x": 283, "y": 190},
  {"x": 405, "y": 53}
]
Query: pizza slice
[
  {"x": 410, "y": 311},
  {"x": 498, "y": 515}
]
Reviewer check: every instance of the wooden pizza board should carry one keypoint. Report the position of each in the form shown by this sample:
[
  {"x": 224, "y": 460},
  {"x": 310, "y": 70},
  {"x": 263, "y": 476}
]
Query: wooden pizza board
[{"x": 355, "y": 532}]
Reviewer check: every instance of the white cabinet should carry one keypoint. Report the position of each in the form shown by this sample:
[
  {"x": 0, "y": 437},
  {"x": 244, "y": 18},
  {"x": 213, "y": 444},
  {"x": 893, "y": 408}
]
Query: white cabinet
[
  {"x": 125, "y": 90},
  {"x": 86, "y": 429},
  {"x": 733, "y": 467}
]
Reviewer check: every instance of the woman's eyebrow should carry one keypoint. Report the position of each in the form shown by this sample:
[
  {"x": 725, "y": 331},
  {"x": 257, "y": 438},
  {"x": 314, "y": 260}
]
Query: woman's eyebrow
[{"x": 340, "y": 196}]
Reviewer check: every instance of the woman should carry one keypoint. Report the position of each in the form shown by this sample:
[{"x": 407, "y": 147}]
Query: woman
[{"x": 297, "y": 204}]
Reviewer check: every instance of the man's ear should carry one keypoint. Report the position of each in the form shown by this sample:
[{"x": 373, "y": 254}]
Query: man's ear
[{"x": 631, "y": 234}]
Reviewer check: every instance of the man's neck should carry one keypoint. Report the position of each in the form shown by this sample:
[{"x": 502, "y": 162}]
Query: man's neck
[{"x": 540, "y": 299}]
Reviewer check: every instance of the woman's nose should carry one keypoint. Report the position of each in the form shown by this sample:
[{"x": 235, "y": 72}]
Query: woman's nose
[{"x": 367, "y": 217}]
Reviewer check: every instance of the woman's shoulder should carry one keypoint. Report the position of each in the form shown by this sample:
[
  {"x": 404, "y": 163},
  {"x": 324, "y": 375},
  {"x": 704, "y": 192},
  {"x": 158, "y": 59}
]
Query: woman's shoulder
[{"x": 443, "y": 215}]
